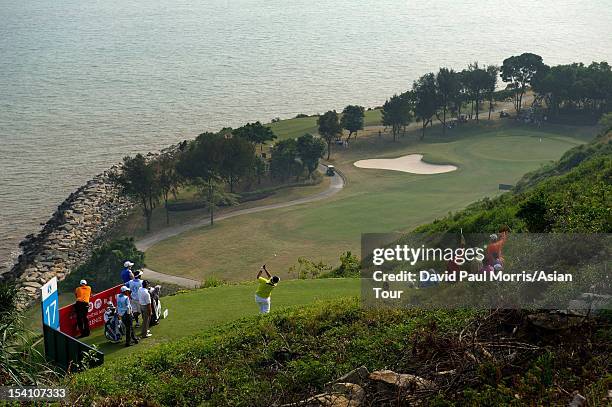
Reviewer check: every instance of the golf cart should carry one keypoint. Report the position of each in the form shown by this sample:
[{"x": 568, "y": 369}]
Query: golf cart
[
  {"x": 504, "y": 113},
  {"x": 331, "y": 171}
]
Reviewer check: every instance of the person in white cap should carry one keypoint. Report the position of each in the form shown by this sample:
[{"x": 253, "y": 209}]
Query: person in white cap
[
  {"x": 124, "y": 310},
  {"x": 81, "y": 307},
  {"x": 126, "y": 273}
]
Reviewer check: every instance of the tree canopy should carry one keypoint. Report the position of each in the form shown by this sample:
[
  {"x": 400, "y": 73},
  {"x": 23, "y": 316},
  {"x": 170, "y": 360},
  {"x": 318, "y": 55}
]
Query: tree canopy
[
  {"x": 310, "y": 150},
  {"x": 139, "y": 180},
  {"x": 256, "y": 133},
  {"x": 397, "y": 112},
  {"x": 426, "y": 100},
  {"x": 329, "y": 128},
  {"x": 352, "y": 119},
  {"x": 519, "y": 72}
]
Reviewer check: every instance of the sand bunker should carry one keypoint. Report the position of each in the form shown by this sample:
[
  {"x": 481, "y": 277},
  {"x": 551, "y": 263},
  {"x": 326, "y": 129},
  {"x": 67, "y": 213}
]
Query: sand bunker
[{"x": 411, "y": 163}]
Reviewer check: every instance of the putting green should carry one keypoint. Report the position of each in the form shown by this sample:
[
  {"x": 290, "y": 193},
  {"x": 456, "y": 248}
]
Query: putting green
[{"x": 372, "y": 201}]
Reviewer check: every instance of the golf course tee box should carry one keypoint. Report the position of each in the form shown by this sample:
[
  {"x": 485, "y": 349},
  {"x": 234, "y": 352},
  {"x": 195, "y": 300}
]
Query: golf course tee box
[{"x": 411, "y": 163}]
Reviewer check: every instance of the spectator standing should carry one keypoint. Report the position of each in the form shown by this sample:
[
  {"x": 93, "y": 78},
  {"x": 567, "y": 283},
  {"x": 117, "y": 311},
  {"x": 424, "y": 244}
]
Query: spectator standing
[
  {"x": 124, "y": 310},
  {"x": 144, "y": 298},
  {"x": 126, "y": 273},
  {"x": 81, "y": 307},
  {"x": 134, "y": 286},
  {"x": 494, "y": 248}
]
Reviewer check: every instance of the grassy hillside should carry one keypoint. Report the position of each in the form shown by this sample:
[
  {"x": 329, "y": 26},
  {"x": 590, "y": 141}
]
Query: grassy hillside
[
  {"x": 372, "y": 201},
  {"x": 290, "y": 355},
  {"x": 571, "y": 195}
]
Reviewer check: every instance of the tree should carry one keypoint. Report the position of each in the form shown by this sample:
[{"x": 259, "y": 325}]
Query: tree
[
  {"x": 352, "y": 119},
  {"x": 461, "y": 96},
  {"x": 447, "y": 82},
  {"x": 202, "y": 163},
  {"x": 256, "y": 133},
  {"x": 259, "y": 168},
  {"x": 139, "y": 180},
  {"x": 576, "y": 87},
  {"x": 238, "y": 159},
  {"x": 283, "y": 159},
  {"x": 519, "y": 71},
  {"x": 169, "y": 178},
  {"x": 477, "y": 81},
  {"x": 491, "y": 84},
  {"x": 310, "y": 150},
  {"x": 426, "y": 99},
  {"x": 397, "y": 112},
  {"x": 329, "y": 128}
]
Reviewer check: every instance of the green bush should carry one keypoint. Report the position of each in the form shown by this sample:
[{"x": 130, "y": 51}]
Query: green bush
[
  {"x": 349, "y": 267},
  {"x": 103, "y": 269},
  {"x": 213, "y": 281}
]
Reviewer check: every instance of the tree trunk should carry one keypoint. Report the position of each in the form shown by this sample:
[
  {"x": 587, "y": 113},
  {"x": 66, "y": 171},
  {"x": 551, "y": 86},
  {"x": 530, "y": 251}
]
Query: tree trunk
[
  {"x": 444, "y": 121},
  {"x": 328, "y": 149},
  {"x": 490, "y": 107},
  {"x": 211, "y": 201},
  {"x": 477, "y": 104},
  {"x": 167, "y": 212}
]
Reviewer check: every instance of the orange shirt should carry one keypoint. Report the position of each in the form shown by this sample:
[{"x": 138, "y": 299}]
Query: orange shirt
[
  {"x": 495, "y": 249},
  {"x": 82, "y": 293}
]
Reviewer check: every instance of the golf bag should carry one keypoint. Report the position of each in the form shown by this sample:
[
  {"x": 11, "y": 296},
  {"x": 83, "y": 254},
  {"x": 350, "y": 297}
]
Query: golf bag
[
  {"x": 113, "y": 328},
  {"x": 155, "y": 305}
]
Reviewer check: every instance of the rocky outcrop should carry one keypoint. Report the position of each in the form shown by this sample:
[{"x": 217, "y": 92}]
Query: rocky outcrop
[
  {"x": 67, "y": 240},
  {"x": 360, "y": 388}
]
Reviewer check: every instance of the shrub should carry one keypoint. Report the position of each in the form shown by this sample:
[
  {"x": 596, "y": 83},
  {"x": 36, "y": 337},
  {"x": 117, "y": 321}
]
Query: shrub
[
  {"x": 213, "y": 281},
  {"x": 103, "y": 268},
  {"x": 20, "y": 362},
  {"x": 349, "y": 267},
  {"x": 306, "y": 268}
]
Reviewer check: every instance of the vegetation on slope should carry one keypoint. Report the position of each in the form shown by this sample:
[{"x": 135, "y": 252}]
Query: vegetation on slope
[
  {"x": 290, "y": 355},
  {"x": 573, "y": 195}
]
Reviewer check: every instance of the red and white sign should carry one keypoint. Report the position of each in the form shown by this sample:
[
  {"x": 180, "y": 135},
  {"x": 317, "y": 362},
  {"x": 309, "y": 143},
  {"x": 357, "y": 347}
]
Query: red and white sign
[{"x": 95, "y": 315}]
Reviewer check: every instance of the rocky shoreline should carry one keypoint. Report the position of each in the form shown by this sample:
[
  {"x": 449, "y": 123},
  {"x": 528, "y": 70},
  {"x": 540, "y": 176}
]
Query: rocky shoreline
[{"x": 67, "y": 239}]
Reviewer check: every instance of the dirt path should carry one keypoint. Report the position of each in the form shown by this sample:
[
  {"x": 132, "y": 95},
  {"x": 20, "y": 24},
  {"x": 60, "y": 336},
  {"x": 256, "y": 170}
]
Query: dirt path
[{"x": 336, "y": 184}]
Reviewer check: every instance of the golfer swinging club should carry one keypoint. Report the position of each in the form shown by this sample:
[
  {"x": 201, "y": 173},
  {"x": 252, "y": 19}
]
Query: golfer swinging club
[{"x": 266, "y": 285}]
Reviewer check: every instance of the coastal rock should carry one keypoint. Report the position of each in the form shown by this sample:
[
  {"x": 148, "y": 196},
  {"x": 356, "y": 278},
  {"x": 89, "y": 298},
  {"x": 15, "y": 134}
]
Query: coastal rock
[{"x": 78, "y": 226}]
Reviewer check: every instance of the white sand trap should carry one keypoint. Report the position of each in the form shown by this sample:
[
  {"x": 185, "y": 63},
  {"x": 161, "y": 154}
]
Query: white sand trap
[{"x": 412, "y": 163}]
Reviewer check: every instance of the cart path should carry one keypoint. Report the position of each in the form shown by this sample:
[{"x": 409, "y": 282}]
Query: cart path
[{"x": 336, "y": 184}]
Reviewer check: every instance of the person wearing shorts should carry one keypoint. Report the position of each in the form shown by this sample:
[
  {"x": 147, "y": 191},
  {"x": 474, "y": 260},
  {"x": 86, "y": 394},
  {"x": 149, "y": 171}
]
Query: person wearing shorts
[{"x": 264, "y": 290}]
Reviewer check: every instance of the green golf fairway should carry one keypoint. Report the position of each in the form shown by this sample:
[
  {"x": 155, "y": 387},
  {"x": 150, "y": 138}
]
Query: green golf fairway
[{"x": 372, "y": 201}]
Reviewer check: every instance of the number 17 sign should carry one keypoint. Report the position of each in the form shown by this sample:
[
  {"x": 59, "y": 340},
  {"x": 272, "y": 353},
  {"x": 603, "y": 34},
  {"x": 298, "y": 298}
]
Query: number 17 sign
[{"x": 50, "y": 304}]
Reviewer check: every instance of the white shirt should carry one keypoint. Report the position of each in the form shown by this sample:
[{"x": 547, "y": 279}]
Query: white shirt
[
  {"x": 144, "y": 297},
  {"x": 135, "y": 285}
]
